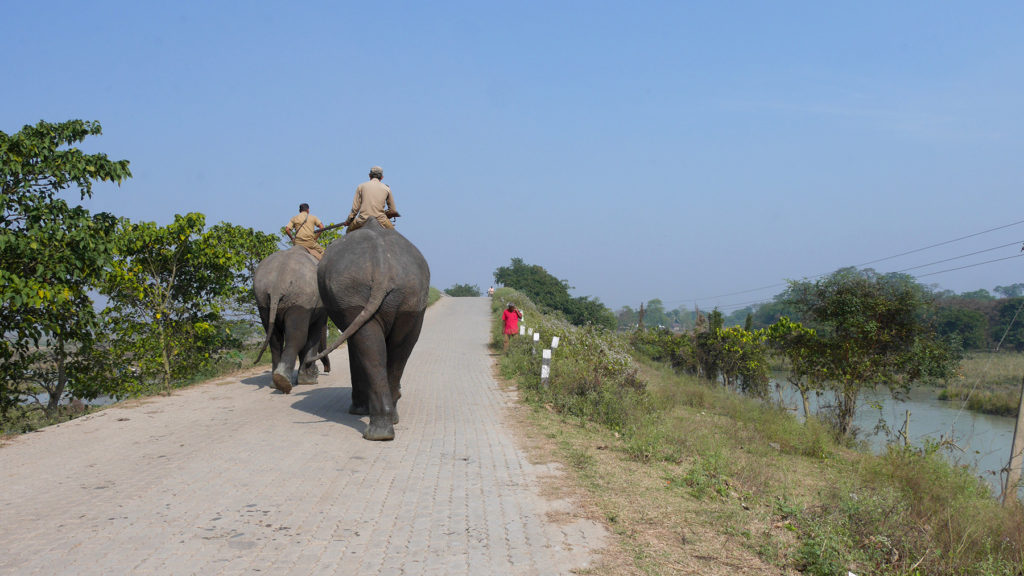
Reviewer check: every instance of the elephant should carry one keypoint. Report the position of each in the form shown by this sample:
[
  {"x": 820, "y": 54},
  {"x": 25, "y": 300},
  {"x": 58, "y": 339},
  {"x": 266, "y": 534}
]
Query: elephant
[
  {"x": 375, "y": 282},
  {"x": 292, "y": 314}
]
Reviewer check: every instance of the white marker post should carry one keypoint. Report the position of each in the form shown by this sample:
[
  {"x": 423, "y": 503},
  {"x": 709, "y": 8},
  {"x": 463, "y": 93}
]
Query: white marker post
[
  {"x": 536, "y": 336},
  {"x": 529, "y": 331},
  {"x": 522, "y": 330},
  {"x": 545, "y": 367},
  {"x": 554, "y": 342}
]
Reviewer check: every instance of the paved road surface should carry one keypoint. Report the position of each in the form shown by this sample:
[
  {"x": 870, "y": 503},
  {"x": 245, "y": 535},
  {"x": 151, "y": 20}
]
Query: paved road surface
[{"x": 233, "y": 477}]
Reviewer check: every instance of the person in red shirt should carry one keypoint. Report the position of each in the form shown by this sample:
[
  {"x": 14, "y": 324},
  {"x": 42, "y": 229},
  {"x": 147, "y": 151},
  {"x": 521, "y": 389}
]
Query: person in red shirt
[{"x": 510, "y": 317}]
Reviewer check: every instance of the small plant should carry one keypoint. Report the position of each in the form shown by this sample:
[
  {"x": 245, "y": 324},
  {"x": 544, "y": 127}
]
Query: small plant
[{"x": 707, "y": 475}]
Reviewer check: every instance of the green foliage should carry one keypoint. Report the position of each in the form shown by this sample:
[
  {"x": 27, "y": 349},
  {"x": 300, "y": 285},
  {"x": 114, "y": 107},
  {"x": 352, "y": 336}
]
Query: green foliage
[
  {"x": 977, "y": 295},
  {"x": 52, "y": 254},
  {"x": 551, "y": 293},
  {"x": 905, "y": 512},
  {"x": 1011, "y": 291},
  {"x": 433, "y": 295},
  {"x": 463, "y": 290},
  {"x": 970, "y": 327},
  {"x": 168, "y": 291},
  {"x": 708, "y": 474},
  {"x": 1006, "y": 331},
  {"x": 871, "y": 330},
  {"x": 242, "y": 250},
  {"x": 592, "y": 374}
]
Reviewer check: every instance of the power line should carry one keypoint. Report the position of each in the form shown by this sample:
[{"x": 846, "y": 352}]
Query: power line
[
  {"x": 959, "y": 257},
  {"x": 971, "y": 265},
  {"x": 942, "y": 243},
  {"x": 695, "y": 300}
]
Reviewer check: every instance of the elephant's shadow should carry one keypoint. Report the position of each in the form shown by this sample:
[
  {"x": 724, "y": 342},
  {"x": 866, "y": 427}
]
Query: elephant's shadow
[{"x": 329, "y": 404}]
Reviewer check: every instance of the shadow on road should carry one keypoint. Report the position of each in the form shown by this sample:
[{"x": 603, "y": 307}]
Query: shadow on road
[
  {"x": 330, "y": 404},
  {"x": 264, "y": 380}
]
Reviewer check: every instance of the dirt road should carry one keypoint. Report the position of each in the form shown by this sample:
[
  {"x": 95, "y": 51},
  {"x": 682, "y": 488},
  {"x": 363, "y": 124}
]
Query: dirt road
[{"x": 233, "y": 477}]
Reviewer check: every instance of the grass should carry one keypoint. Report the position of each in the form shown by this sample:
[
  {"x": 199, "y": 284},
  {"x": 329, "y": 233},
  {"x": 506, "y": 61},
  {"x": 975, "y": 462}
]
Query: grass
[
  {"x": 691, "y": 478},
  {"x": 989, "y": 383}
]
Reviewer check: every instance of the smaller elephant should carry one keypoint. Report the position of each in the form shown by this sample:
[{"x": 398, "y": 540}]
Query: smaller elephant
[{"x": 292, "y": 314}]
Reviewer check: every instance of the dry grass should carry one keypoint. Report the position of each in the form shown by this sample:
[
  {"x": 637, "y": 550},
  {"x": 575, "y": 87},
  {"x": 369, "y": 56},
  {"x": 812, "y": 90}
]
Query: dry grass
[{"x": 658, "y": 525}]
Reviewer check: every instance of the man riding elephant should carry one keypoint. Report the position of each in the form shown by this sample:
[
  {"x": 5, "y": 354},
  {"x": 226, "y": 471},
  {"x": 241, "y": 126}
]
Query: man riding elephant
[
  {"x": 373, "y": 199},
  {"x": 304, "y": 229}
]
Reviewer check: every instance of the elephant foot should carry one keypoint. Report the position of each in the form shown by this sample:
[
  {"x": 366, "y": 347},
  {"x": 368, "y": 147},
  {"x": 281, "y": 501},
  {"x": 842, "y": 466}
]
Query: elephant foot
[
  {"x": 282, "y": 382},
  {"x": 308, "y": 377},
  {"x": 394, "y": 416},
  {"x": 380, "y": 428},
  {"x": 327, "y": 366},
  {"x": 359, "y": 409}
]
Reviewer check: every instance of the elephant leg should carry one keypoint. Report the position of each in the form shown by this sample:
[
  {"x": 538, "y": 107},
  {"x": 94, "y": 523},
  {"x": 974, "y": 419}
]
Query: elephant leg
[
  {"x": 371, "y": 352},
  {"x": 360, "y": 384},
  {"x": 295, "y": 327},
  {"x": 307, "y": 369},
  {"x": 404, "y": 333},
  {"x": 276, "y": 344},
  {"x": 326, "y": 361}
]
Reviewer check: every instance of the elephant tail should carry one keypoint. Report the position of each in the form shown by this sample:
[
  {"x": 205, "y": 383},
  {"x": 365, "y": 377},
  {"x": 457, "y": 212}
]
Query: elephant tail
[
  {"x": 270, "y": 326},
  {"x": 377, "y": 294}
]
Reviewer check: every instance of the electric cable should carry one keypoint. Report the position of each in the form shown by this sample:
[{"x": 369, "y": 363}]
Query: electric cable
[{"x": 884, "y": 259}]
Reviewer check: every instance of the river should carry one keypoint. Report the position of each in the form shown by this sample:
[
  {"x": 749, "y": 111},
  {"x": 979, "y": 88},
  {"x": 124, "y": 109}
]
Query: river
[{"x": 985, "y": 440}]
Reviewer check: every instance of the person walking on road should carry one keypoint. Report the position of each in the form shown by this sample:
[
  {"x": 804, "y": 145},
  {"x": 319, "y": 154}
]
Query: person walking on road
[{"x": 510, "y": 318}]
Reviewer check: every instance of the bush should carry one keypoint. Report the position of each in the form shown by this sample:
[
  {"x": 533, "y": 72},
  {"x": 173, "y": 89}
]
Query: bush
[{"x": 462, "y": 290}]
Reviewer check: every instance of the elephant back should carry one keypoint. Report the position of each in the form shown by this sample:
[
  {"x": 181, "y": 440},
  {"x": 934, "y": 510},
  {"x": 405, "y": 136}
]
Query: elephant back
[
  {"x": 355, "y": 262},
  {"x": 289, "y": 275}
]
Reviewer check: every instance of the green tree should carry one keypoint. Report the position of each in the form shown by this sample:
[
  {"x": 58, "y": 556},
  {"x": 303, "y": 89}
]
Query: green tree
[
  {"x": 977, "y": 295},
  {"x": 802, "y": 348},
  {"x": 52, "y": 254},
  {"x": 549, "y": 292},
  {"x": 969, "y": 326},
  {"x": 874, "y": 330},
  {"x": 534, "y": 281},
  {"x": 654, "y": 314},
  {"x": 463, "y": 290},
  {"x": 243, "y": 249},
  {"x": 168, "y": 290},
  {"x": 1007, "y": 330},
  {"x": 626, "y": 319},
  {"x": 584, "y": 310},
  {"x": 1011, "y": 291}
]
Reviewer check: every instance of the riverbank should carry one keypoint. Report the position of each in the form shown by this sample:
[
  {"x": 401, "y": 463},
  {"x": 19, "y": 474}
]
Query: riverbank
[
  {"x": 988, "y": 383},
  {"x": 693, "y": 478}
]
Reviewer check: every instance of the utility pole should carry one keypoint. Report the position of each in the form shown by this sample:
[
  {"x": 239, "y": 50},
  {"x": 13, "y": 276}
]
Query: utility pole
[
  {"x": 1013, "y": 474},
  {"x": 640, "y": 322}
]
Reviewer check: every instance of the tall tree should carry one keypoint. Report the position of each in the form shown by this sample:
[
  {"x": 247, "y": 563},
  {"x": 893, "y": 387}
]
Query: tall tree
[
  {"x": 1011, "y": 291},
  {"x": 52, "y": 253},
  {"x": 873, "y": 330},
  {"x": 549, "y": 292},
  {"x": 168, "y": 291}
]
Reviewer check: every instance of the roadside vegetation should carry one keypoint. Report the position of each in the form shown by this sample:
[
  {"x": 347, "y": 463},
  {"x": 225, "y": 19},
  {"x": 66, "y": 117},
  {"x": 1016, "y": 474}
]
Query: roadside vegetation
[
  {"x": 694, "y": 475},
  {"x": 96, "y": 306},
  {"x": 463, "y": 290}
]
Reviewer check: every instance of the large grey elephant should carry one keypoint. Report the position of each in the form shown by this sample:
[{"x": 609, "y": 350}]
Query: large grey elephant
[
  {"x": 375, "y": 283},
  {"x": 292, "y": 314}
]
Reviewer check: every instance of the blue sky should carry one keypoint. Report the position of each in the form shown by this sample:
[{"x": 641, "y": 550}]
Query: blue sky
[{"x": 676, "y": 150}]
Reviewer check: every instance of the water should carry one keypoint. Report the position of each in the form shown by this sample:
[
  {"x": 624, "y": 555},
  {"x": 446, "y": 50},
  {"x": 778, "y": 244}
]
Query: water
[{"x": 985, "y": 440}]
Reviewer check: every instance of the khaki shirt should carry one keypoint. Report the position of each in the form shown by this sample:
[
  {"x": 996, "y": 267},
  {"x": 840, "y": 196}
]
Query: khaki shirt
[
  {"x": 372, "y": 199},
  {"x": 305, "y": 228}
]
